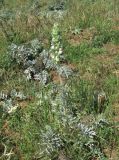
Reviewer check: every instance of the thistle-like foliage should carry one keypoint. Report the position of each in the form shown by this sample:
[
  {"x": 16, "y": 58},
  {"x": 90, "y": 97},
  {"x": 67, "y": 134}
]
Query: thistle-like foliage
[
  {"x": 60, "y": 5},
  {"x": 8, "y": 100},
  {"x": 42, "y": 77},
  {"x": 20, "y": 95},
  {"x": 8, "y": 106},
  {"x": 36, "y": 61},
  {"x": 88, "y": 131},
  {"x": 64, "y": 121},
  {"x": 25, "y": 54},
  {"x": 3, "y": 96},
  {"x": 51, "y": 141},
  {"x": 64, "y": 71}
]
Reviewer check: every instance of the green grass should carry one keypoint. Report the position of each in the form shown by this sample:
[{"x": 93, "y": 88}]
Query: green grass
[
  {"x": 23, "y": 131},
  {"x": 82, "y": 52}
]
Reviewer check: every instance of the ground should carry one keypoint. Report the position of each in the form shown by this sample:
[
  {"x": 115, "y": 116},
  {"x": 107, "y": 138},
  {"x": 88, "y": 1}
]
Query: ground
[{"x": 89, "y": 33}]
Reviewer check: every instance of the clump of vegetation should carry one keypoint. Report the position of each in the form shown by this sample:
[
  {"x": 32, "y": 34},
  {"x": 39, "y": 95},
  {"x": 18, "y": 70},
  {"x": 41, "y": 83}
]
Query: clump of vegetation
[{"x": 59, "y": 80}]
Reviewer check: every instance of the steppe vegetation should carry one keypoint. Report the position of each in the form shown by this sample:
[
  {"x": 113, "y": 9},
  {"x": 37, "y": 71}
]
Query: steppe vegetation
[{"x": 59, "y": 79}]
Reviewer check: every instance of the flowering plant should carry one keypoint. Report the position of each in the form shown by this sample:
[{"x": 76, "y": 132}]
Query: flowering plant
[{"x": 56, "y": 47}]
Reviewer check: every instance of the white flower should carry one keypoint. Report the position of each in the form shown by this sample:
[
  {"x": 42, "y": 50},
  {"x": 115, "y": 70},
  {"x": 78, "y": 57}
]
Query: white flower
[
  {"x": 26, "y": 71},
  {"x": 12, "y": 109},
  {"x": 52, "y": 47},
  {"x": 52, "y": 56},
  {"x": 46, "y": 97},
  {"x": 60, "y": 51},
  {"x": 28, "y": 77},
  {"x": 40, "y": 102},
  {"x": 53, "y": 39},
  {"x": 57, "y": 59}
]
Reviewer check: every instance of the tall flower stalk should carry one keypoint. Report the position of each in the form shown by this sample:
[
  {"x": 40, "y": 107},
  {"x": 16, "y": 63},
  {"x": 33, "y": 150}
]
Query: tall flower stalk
[{"x": 56, "y": 47}]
